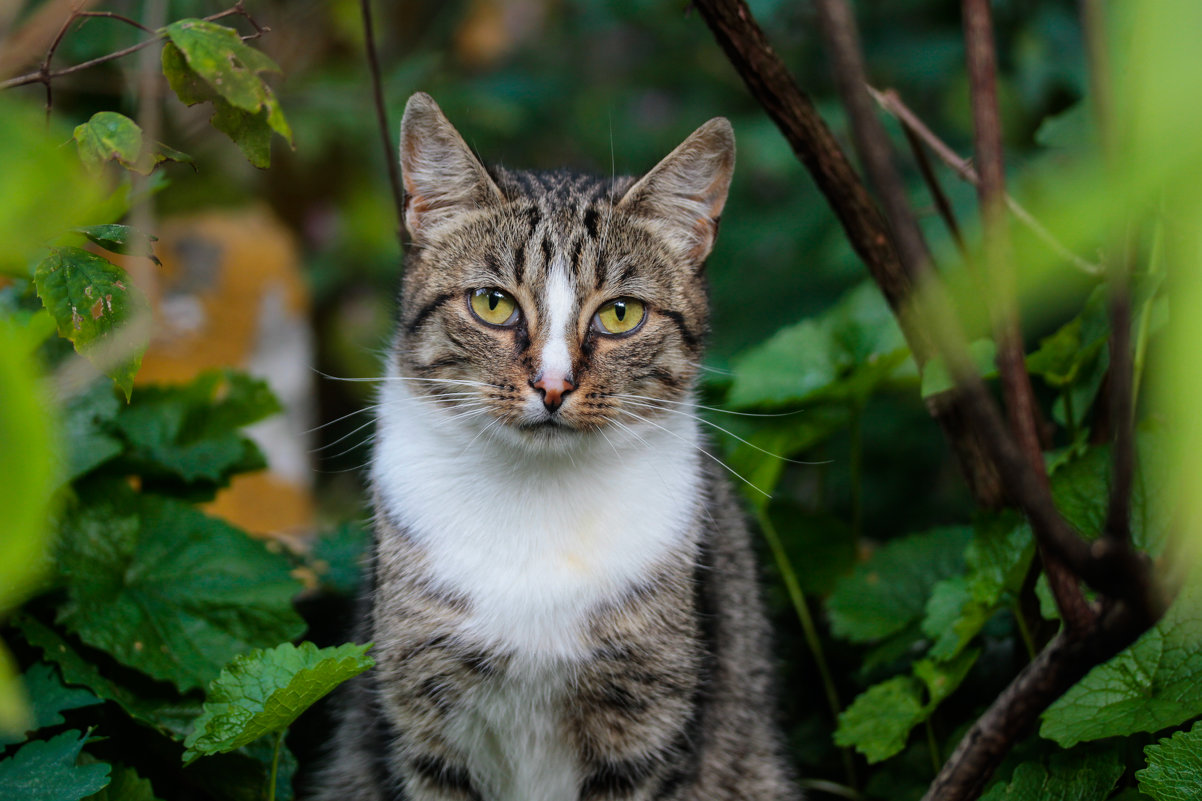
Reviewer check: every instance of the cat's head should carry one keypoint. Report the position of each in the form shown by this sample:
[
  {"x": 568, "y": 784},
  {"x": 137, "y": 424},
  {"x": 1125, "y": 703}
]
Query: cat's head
[{"x": 554, "y": 304}]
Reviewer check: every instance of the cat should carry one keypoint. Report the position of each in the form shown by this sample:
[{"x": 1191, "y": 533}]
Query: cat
[{"x": 562, "y": 593}]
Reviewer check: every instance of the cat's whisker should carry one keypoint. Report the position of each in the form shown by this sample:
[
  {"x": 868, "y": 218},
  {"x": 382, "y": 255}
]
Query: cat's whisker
[
  {"x": 723, "y": 464},
  {"x": 622, "y": 395},
  {"x": 370, "y": 408},
  {"x": 725, "y": 431},
  {"x": 378, "y": 379},
  {"x": 487, "y": 428},
  {"x": 369, "y": 439},
  {"x": 321, "y": 448}
]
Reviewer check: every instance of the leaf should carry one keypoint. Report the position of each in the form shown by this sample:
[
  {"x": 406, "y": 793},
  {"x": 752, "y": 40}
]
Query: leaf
[
  {"x": 122, "y": 239},
  {"x": 879, "y": 721},
  {"x": 87, "y": 420},
  {"x": 243, "y": 775},
  {"x": 262, "y": 692},
  {"x": 890, "y": 590},
  {"x": 171, "y": 715},
  {"x": 109, "y": 136},
  {"x": 126, "y": 785},
  {"x": 189, "y": 432},
  {"x": 1174, "y": 771},
  {"x": 338, "y": 557},
  {"x": 936, "y": 378},
  {"x": 206, "y": 62},
  {"x": 50, "y": 698},
  {"x": 1149, "y": 686},
  {"x": 46, "y": 770},
  {"x": 1071, "y": 776},
  {"x": 168, "y": 590},
  {"x": 94, "y": 304}
]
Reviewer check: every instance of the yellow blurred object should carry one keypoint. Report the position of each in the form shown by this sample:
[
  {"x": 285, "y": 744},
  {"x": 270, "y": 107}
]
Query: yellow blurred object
[
  {"x": 230, "y": 293},
  {"x": 492, "y": 28}
]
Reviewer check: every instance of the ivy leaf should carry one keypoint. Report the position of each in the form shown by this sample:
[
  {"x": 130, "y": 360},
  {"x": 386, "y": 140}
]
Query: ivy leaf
[
  {"x": 93, "y": 303},
  {"x": 1071, "y": 776},
  {"x": 122, "y": 239},
  {"x": 1149, "y": 686},
  {"x": 262, "y": 692},
  {"x": 109, "y": 136},
  {"x": 168, "y": 590},
  {"x": 1174, "y": 771},
  {"x": 189, "y": 432},
  {"x": 890, "y": 590},
  {"x": 169, "y": 714},
  {"x": 50, "y": 699},
  {"x": 126, "y": 785},
  {"x": 209, "y": 62},
  {"x": 46, "y": 770}
]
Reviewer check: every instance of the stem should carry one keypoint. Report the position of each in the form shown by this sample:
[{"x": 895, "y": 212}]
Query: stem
[
  {"x": 390, "y": 156},
  {"x": 275, "y": 764},
  {"x": 807, "y": 625},
  {"x": 856, "y": 465},
  {"x": 1155, "y": 266},
  {"x": 933, "y": 748},
  {"x": 1024, "y": 631}
]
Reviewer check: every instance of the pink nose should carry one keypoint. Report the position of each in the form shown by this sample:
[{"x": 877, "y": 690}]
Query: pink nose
[{"x": 553, "y": 388}]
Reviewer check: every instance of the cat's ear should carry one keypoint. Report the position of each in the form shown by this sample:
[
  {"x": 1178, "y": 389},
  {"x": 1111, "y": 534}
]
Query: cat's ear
[
  {"x": 683, "y": 196},
  {"x": 442, "y": 177}
]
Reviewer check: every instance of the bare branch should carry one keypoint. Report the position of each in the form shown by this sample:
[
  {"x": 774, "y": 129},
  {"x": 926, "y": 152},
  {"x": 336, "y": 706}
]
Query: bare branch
[{"x": 390, "y": 155}]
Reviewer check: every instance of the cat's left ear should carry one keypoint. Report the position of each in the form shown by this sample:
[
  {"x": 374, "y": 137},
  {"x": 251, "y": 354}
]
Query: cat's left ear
[{"x": 682, "y": 197}]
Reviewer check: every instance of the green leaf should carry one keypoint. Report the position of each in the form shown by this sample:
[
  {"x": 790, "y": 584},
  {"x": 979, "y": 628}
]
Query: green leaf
[
  {"x": 209, "y": 62},
  {"x": 879, "y": 721},
  {"x": 1174, "y": 771},
  {"x": 890, "y": 590},
  {"x": 87, "y": 422},
  {"x": 95, "y": 306},
  {"x": 168, "y": 590},
  {"x": 338, "y": 557},
  {"x": 189, "y": 432},
  {"x": 122, "y": 239},
  {"x": 109, "y": 136},
  {"x": 168, "y": 713},
  {"x": 1071, "y": 776},
  {"x": 262, "y": 692},
  {"x": 50, "y": 699},
  {"x": 935, "y": 375},
  {"x": 1149, "y": 686},
  {"x": 126, "y": 785},
  {"x": 46, "y": 770}
]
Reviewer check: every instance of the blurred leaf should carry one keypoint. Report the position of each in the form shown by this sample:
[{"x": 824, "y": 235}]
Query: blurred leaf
[
  {"x": 338, "y": 556},
  {"x": 87, "y": 421},
  {"x": 108, "y": 136},
  {"x": 170, "y": 715},
  {"x": 890, "y": 590},
  {"x": 1149, "y": 686},
  {"x": 46, "y": 770},
  {"x": 1072, "y": 129},
  {"x": 122, "y": 239},
  {"x": 209, "y": 62},
  {"x": 126, "y": 785},
  {"x": 1174, "y": 771},
  {"x": 1086, "y": 776},
  {"x": 94, "y": 304},
  {"x": 50, "y": 699},
  {"x": 190, "y": 431},
  {"x": 879, "y": 721},
  {"x": 168, "y": 590},
  {"x": 263, "y": 692},
  {"x": 936, "y": 378}
]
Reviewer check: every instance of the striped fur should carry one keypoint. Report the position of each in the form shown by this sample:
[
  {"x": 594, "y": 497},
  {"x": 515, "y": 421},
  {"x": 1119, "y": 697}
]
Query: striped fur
[{"x": 563, "y": 598}]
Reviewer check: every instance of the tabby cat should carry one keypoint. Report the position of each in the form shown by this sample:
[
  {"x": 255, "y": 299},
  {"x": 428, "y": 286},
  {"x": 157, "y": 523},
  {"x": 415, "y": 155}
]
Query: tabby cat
[{"x": 562, "y": 593}]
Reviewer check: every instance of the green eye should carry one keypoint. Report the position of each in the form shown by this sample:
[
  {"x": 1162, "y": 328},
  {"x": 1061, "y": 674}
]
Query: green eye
[
  {"x": 619, "y": 316},
  {"x": 493, "y": 306}
]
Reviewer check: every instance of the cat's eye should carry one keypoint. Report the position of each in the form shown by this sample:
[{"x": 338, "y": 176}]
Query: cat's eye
[
  {"x": 493, "y": 306},
  {"x": 620, "y": 316}
]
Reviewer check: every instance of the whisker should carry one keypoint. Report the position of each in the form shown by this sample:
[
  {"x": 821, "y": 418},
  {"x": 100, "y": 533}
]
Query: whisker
[
  {"x": 723, "y": 464},
  {"x": 461, "y": 381},
  {"x": 370, "y": 438},
  {"x": 372, "y": 407},
  {"x": 321, "y": 448},
  {"x": 488, "y": 427},
  {"x": 621, "y": 395}
]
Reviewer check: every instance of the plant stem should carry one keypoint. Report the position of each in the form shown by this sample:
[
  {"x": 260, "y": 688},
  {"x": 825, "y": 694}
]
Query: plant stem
[
  {"x": 1024, "y": 631},
  {"x": 933, "y": 747},
  {"x": 856, "y": 466},
  {"x": 275, "y": 764},
  {"x": 807, "y": 624}
]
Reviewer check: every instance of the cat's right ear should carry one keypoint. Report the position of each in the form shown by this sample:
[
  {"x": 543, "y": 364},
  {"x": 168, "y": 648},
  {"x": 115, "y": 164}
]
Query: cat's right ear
[{"x": 442, "y": 177}]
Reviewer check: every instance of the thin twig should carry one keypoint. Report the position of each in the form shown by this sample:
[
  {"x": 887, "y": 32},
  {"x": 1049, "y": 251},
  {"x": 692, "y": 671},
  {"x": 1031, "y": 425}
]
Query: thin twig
[
  {"x": 44, "y": 71},
  {"x": 377, "y": 89},
  {"x": 112, "y": 15},
  {"x": 942, "y": 204},
  {"x": 1122, "y": 380},
  {"x": 39, "y": 76},
  {"x": 891, "y": 102}
]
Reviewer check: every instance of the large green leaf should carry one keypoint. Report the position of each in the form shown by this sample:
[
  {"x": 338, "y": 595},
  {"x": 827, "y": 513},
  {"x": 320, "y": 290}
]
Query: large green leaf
[
  {"x": 168, "y": 590},
  {"x": 96, "y": 307},
  {"x": 1071, "y": 776},
  {"x": 46, "y": 770},
  {"x": 190, "y": 432},
  {"x": 1149, "y": 686},
  {"x": 126, "y": 785},
  {"x": 1174, "y": 771},
  {"x": 50, "y": 699},
  {"x": 262, "y": 692},
  {"x": 87, "y": 429},
  {"x": 109, "y": 136},
  {"x": 890, "y": 590},
  {"x": 209, "y": 62}
]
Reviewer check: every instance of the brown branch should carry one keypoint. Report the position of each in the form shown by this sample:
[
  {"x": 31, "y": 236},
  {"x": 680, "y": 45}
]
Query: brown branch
[
  {"x": 942, "y": 204},
  {"x": 390, "y": 156},
  {"x": 39, "y": 76}
]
